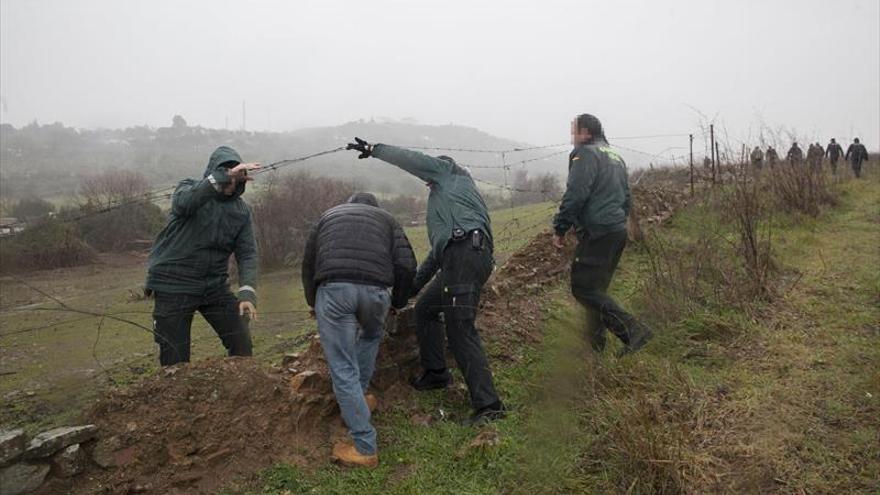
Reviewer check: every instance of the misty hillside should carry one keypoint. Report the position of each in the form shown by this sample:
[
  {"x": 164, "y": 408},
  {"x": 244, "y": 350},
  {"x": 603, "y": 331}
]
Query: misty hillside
[{"x": 49, "y": 160}]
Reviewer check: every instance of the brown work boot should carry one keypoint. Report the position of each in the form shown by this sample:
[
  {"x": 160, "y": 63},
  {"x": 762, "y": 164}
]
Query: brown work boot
[
  {"x": 372, "y": 402},
  {"x": 347, "y": 455}
]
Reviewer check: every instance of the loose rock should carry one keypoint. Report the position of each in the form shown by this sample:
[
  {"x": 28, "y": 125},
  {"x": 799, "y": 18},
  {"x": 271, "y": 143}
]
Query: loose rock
[
  {"x": 49, "y": 442},
  {"x": 307, "y": 380},
  {"x": 70, "y": 461},
  {"x": 12, "y": 443},
  {"x": 22, "y": 478}
]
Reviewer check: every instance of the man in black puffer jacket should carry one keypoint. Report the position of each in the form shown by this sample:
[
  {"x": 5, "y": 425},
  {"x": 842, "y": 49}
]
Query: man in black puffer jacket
[{"x": 355, "y": 253}]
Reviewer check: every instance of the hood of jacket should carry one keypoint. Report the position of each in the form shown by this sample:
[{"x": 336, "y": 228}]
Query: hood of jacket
[{"x": 225, "y": 157}]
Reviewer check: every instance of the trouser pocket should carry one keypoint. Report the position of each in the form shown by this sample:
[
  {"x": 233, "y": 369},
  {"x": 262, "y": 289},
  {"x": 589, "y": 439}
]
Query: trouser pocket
[{"x": 460, "y": 301}]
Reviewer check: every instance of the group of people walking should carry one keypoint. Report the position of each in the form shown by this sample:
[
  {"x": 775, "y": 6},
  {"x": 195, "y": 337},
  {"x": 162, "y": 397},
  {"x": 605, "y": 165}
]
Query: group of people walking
[{"x": 856, "y": 154}]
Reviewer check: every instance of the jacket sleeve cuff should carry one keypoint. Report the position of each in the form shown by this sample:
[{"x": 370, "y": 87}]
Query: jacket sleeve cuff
[
  {"x": 247, "y": 293},
  {"x": 219, "y": 178}
]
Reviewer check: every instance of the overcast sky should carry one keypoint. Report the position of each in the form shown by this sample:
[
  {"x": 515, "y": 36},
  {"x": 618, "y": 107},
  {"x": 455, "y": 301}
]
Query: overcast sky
[{"x": 513, "y": 68}]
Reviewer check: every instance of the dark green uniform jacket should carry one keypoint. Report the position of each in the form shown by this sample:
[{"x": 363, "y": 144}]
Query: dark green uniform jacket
[
  {"x": 596, "y": 200},
  {"x": 454, "y": 201},
  {"x": 191, "y": 254}
]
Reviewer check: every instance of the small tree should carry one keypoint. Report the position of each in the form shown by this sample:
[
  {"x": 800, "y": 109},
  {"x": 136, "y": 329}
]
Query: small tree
[
  {"x": 285, "y": 214},
  {"x": 118, "y": 209}
]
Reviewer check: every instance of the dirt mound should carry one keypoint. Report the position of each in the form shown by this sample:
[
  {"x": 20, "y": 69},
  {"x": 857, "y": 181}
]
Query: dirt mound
[{"x": 193, "y": 428}]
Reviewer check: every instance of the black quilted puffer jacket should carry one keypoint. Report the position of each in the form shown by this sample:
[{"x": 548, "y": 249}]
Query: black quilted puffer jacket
[{"x": 359, "y": 242}]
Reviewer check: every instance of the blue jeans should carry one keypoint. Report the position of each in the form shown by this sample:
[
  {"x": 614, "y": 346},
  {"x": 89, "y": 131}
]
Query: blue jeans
[{"x": 351, "y": 320}]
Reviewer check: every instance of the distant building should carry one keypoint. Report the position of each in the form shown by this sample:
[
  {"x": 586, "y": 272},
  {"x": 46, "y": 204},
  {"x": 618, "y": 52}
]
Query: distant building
[{"x": 9, "y": 226}]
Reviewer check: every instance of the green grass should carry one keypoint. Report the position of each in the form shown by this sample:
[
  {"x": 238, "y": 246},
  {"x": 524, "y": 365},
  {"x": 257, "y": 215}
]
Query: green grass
[{"x": 55, "y": 371}]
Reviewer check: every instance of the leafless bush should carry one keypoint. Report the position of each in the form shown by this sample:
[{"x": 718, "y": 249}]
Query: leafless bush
[
  {"x": 111, "y": 187},
  {"x": 407, "y": 209},
  {"x": 285, "y": 213},
  {"x": 728, "y": 264},
  {"x": 798, "y": 188},
  {"x": 118, "y": 215},
  {"x": 528, "y": 190},
  {"x": 749, "y": 214}
]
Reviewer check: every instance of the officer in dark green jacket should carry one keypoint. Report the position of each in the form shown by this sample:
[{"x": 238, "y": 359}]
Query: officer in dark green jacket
[
  {"x": 188, "y": 265},
  {"x": 596, "y": 204},
  {"x": 460, "y": 233}
]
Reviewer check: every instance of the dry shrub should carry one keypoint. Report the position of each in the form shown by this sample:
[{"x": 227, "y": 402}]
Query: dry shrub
[
  {"x": 529, "y": 190},
  {"x": 285, "y": 213},
  {"x": 407, "y": 210},
  {"x": 798, "y": 188},
  {"x": 749, "y": 214},
  {"x": 115, "y": 211},
  {"x": 728, "y": 265},
  {"x": 650, "y": 428}
]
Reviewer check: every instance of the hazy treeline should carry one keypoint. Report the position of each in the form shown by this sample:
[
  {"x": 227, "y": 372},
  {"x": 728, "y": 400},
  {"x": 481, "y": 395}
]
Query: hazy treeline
[{"x": 48, "y": 161}]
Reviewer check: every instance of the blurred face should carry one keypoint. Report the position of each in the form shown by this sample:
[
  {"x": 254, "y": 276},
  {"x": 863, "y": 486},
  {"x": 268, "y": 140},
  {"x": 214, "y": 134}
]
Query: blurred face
[
  {"x": 229, "y": 189},
  {"x": 579, "y": 136}
]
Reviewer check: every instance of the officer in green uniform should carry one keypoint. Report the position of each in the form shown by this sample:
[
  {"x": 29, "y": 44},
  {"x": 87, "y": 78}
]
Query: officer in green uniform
[
  {"x": 596, "y": 204},
  {"x": 460, "y": 233}
]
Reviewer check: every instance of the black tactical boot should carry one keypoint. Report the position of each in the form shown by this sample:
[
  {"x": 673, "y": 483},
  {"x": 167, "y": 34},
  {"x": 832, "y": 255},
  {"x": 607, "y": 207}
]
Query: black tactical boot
[
  {"x": 432, "y": 380},
  {"x": 486, "y": 415},
  {"x": 638, "y": 338}
]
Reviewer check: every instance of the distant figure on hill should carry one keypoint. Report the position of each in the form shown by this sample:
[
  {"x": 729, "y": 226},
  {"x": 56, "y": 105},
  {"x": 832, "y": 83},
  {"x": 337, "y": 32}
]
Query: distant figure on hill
[
  {"x": 833, "y": 151},
  {"x": 795, "y": 154},
  {"x": 757, "y": 158},
  {"x": 772, "y": 156},
  {"x": 814, "y": 156},
  {"x": 189, "y": 265},
  {"x": 857, "y": 154},
  {"x": 596, "y": 205}
]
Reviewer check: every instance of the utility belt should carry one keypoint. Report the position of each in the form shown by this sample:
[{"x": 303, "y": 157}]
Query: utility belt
[{"x": 476, "y": 237}]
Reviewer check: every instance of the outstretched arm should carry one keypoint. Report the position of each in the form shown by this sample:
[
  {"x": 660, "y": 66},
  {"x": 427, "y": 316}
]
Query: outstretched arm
[{"x": 425, "y": 167}]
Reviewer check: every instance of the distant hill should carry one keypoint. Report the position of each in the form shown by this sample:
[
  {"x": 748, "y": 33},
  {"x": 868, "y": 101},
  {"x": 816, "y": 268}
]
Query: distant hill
[{"x": 49, "y": 160}]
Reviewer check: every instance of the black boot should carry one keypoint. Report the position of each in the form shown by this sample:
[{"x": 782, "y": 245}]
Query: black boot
[
  {"x": 486, "y": 415},
  {"x": 639, "y": 337},
  {"x": 432, "y": 380}
]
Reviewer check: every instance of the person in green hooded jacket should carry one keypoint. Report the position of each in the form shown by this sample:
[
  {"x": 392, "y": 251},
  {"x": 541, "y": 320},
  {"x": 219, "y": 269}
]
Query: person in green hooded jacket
[
  {"x": 596, "y": 205},
  {"x": 188, "y": 265},
  {"x": 460, "y": 233}
]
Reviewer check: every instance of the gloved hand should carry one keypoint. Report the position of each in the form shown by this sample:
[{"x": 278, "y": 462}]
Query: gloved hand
[{"x": 364, "y": 147}]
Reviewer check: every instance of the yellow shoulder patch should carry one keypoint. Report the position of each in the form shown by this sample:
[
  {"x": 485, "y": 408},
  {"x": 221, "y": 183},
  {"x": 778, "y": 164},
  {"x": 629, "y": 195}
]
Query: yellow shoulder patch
[{"x": 576, "y": 158}]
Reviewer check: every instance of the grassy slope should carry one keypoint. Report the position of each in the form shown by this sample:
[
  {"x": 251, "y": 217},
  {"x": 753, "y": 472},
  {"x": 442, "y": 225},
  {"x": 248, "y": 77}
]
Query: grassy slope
[
  {"x": 55, "y": 369},
  {"x": 785, "y": 401}
]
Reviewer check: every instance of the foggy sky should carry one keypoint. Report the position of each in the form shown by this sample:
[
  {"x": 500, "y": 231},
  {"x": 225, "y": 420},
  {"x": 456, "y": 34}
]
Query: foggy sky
[{"x": 518, "y": 69}]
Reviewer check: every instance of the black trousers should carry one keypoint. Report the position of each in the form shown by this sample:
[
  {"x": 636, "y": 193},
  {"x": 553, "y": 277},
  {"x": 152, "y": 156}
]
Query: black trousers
[
  {"x": 455, "y": 292},
  {"x": 172, "y": 320},
  {"x": 593, "y": 268},
  {"x": 857, "y": 169}
]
